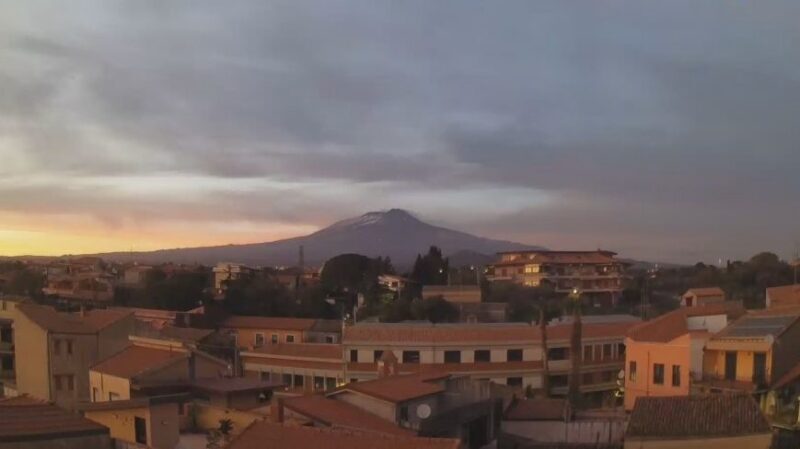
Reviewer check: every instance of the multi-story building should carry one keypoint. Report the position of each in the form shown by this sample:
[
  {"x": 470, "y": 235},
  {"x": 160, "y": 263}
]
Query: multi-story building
[
  {"x": 598, "y": 275},
  {"x": 508, "y": 353},
  {"x": 255, "y": 331},
  {"x": 60, "y": 347},
  {"x": 8, "y": 311},
  {"x": 664, "y": 356},
  {"x": 225, "y": 272}
]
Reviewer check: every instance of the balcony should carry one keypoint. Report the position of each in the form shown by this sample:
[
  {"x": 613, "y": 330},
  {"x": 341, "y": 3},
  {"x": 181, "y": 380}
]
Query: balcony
[
  {"x": 720, "y": 383},
  {"x": 6, "y": 347}
]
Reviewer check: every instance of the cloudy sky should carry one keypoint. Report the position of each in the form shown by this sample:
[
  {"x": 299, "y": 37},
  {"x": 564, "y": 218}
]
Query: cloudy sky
[{"x": 663, "y": 130}]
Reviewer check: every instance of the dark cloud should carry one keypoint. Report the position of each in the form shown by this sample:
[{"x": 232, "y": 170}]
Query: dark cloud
[{"x": 650, "y": 125}]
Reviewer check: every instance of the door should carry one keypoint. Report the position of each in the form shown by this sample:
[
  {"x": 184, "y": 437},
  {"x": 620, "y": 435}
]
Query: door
[
  {"x": 140, "y": 428},
  {"x": 759, "y": 368},
  {"x": 730, "y": 365}
]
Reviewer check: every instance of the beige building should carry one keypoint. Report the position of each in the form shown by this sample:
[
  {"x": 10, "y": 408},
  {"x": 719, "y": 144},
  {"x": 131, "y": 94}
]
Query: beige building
[
  {"x": 225, "y": 272},
  {"x": 599, "y": 275},
  {"x": 153, "y": 422},
  {"x": 8, "y": 311},
  {"x": 695, "y": 297},
  {"x": 60, "y": 347},
  {"x": 698, "y": 422}
]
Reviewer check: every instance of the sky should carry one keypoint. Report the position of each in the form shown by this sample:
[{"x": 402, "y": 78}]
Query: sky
[{"x": 665, "y": 131}]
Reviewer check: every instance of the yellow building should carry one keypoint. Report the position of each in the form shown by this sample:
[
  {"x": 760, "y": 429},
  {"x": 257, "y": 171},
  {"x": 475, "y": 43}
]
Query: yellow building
[
  {"x": 153, "y": 422},
  {"x": 60, "y": 347},
  {"x": 8, "y": 311}
]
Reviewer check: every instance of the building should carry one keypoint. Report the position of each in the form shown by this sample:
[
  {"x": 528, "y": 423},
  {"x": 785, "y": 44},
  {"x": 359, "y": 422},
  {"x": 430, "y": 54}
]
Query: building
[
  {"x": 294, "y": 278},
  {"x": 152, "y": 422},
  {"x": 255, "y": 331},
  {"x": 786, "y": 295},
  {"x": 318, "y": 411},
  {"x": 469, "y": 294},
  {"x": 551, "y": 421},
  {"x": 148, "y": 363},
  {"x": 95, "y": 288},
  {"x": 159, "y": 318},
  {"x": 701, "y": 422},
  {"x": 702, "y": 296},
  {"x": 393, "y": 282},
  {"x": 305, "y": 367},
  {"x": 136, "y": 275},
  {"x": 8, "y": 311},
  {"x": 752, "y": 352},
  {"x": 27, "y": 423},
  {"x": 664, "y": 356},
  {"x": 598, "y": 275},
  {"x": 266, "y": 435},
  {"x": 60, "y": 347},
  {"x": 225, "y": 272}
]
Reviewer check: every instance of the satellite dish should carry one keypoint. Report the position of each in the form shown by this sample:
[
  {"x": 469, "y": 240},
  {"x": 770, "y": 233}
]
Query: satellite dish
[{"x": 424, "y": 411}]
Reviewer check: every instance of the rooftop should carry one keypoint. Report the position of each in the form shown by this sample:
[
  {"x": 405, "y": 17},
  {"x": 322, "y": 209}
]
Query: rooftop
[
  {"x": 541, "y": 409},
  {"x": 304, "y": 350},
  {"x": 25, "y": 419},
  {"x": 672, "y": 325},
  {"x": 400, "y": 388},
  {"x": 88, "y": 322},
  {"x": 234, "y": 384},
  {"x": 135, "y": 360},
  {"x": 342, "y": 414},
  {"x": 265, "y": 322},
  {"x": 185, "y": 334},
  {"x": 265, "y": 435},
  {"x": 705, "y": 291},
  {"x": 785, "y": 294},
  {"x": 754, "y": 326},
  {"x": 696, "y": 416}
]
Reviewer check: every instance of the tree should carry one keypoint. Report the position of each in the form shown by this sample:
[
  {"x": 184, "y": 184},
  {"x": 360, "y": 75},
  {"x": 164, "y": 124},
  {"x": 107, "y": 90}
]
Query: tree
[
  {"x": 435, "y": 310},
  {"x": 225, "y": 428},
  {"x": 259, "y": 296},
  {"x": 431, "y": 269}
]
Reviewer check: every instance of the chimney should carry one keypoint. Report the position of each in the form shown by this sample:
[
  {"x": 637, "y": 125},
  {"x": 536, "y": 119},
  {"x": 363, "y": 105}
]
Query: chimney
[{"x": 276, "y": 410}]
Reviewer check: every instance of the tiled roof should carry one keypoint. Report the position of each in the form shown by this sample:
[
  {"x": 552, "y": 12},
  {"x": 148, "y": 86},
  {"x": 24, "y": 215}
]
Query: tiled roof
[
  {"x": 400, "y": 388},
  {"x": 27, "y": 419},
  {"x": 89, "y": 322},
  {"x": 589, "y": 331},
  {"x": 266, "y": 322},
  {"x": 342, "y": 414},
  {"x": 758, "y": 325},
  {"x": 672, "y": 325},
  {"x": 542, "y": 409},
  {"x": 716, "y": 415},
  {"x": 705, "y": 291},
  {"x": 185, "y": 334},
  {"x": 265, "y": 435},
  {"x": 331, "y": 352},
  {"x": 135, "y": 360},
  {"x": 783, "y": 295}
]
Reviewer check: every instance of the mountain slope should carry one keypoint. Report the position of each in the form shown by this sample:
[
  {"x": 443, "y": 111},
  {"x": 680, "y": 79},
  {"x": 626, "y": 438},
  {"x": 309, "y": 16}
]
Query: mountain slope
[{"x": 394, "y": 233}]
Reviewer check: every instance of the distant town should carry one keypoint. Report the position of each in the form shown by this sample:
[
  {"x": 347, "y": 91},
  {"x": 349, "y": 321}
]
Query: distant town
[{"x": 537, "y": 348}]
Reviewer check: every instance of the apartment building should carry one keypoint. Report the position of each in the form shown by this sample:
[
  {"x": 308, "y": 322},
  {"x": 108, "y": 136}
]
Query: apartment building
[
  {"x": 225, "y": 272},
  {"x": 8, "y": 311},
  {"x": 59, "y": 348},
  {"x": 752, "y": 352},
  {"x": 664, "y": 356},
  {"x": 599, "y": 275},
  {"x": 304, "y": 367},
  {"x": 256, "y": 331}
]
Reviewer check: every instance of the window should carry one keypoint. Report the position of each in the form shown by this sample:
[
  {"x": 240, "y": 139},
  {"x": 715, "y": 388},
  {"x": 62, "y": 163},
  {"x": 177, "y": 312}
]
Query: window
[
  {"x": 290, "y": 339},
  {"x": 7, "y": 363},
  {"x": 354, "y": 355},
  {"x": 483, "y": 355},
  {"x": 588, "y": 353},
  {"x": 676, "y": 375},
  {"x": 113, "y": 396},
  {"x": 353, "y": 380},
  {"x": 56, "y": 346},
  {"x": 606, "y": 351},
  {"x": 69, "y": 347},
  {"x": 6, "y": 335},
  {"x": 329, "y": 339},
  {"x": 274, "y": 338},
  {"x": 632, "y": 371},
  {"x": 319, "y": 383},
  {"x": 377, "y": 355},
  {"x": 286, "y": 379},
  {"x": 514, "y": 355},
  {"x": 607, "y": 376},
  {"x": 70, "y": 381},
  {"x": 587, "y": 378},
  {"x": 259, "y": 339},
  {"x": 452, "y": 357},
  {"x": 514, "y": 381},
  {"x": 531, "y": 269},
  {"x": 298, "y": 380},
  {"x": 410, "y": 356},
  {"x": 560, "y": 380},
  {"x": 264, "y": 375},
  {"x": 730, "y": 365},
  {"x": 620, "y": 350},
  {"x": 57, "y": 381},
  {"x": 330, "y": 383},
  {"x": 557, "y": 354},
  {"x": 759, "y": 368},
  {"x": 658, "y": 373},
  {"x": 95, "y": 394},
  {"x": 404, "y": 413}
]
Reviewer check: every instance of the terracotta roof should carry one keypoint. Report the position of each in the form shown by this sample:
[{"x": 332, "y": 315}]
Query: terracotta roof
[
  {"x": 90, "y": 322},
  {"x": 411, "y": 333},
  {"x": 400, "y": 388},
  {"x": 266, "y": 322},
  {"x": 135, "y": 360},
  {"x": 785, "y": 294},
  {"x": 588, "y": 331},
  {"x": 672, "y": 325},
  {"x": 265, "y": 435},
  {"x": 185, "y": 334},
  {"x": 696, "y": 416},
  {"x": 542, "y": 409},
  {"x": 331, "y": 352},
  {"x": 28, "y": 419},
  {"x": 705, "y": 291},
  {"x": 342, "y": 414}
]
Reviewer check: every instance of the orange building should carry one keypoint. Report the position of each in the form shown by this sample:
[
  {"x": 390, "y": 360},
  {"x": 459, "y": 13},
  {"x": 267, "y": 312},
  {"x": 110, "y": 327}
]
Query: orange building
[
  {"x": 702, "y": 296},
  {"x": 664, "y": 356},
  {"x": 256, "y": 331}
]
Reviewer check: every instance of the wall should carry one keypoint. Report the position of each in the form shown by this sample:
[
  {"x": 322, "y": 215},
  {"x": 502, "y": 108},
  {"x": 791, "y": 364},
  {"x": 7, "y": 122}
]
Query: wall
[
  {"x": 84, "y": 355},
  {"x": 162, "y": 424},
  {"x": 247, "y": 337},
  {"x": 714, "y": 364},
  {"x": 208, "y": 417},
  {"x": 33, "y": 373},
  {"x": 382, "y": 409},
  {"x": 645, "y": 354},
  {"x": 786, "y": 355},
  {"x": 745, "y": 442},
  {"x": 106, "y": 384}
]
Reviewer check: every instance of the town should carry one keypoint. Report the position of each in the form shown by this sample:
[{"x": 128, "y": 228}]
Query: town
[{"x": 539, "y": 348}]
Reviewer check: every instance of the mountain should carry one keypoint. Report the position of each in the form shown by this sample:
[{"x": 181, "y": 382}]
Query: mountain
[{"x": 395, "y": 233}]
